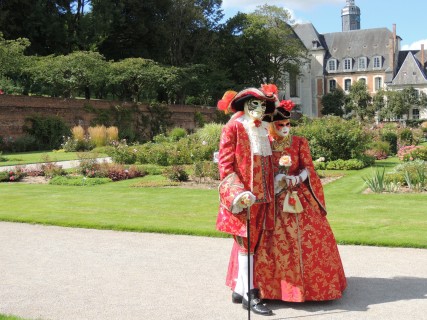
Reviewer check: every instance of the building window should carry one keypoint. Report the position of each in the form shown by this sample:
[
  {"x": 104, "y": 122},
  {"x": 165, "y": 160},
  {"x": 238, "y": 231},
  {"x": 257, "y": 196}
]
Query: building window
[
  {"x": 332, "y": 85},
  {"x": 347, "y": 64},
  {"x": 362, "y": 80},
  {"x": 415, "y": 114},
  {"x": 377, "y": 62},
  {"x": 293, "y": 85},
  {"x": 347, "y": 84},
  {"x": 378, "y": 83},
  {"x": 332, "y": 65},
  {"x": 361, "y": 63}
]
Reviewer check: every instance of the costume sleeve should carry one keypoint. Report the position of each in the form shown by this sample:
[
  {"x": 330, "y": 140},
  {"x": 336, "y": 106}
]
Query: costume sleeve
[
  {"x": 314, "y": 183},
  {"x": 231, "y": 185}
]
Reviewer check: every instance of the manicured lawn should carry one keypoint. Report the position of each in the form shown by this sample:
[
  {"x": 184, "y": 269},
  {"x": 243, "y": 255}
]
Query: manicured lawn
[
  {"x": 375, "y": 219},
  {"x": 117, "y": 206},
  {"x": 37, "y": 157},
  {"x": 356, "y": 218}
]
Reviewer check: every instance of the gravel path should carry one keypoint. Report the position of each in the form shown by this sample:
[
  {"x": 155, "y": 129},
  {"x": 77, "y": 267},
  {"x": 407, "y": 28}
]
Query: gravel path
[{"x": 60, "y": 273}]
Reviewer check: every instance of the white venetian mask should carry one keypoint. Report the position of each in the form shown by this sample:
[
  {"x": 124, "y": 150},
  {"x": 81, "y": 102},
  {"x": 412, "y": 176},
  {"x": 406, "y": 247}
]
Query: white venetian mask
[{"x": 255, "y": 108}]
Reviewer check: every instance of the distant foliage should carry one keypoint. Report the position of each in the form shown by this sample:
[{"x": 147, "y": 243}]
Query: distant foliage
[
  {"x": 47, "y": 131},
  {"x": 334, "y": 138}
]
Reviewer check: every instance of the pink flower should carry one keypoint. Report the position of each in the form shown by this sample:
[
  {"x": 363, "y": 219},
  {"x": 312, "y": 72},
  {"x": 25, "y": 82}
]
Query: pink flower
[{"x": 285, "y": 161}]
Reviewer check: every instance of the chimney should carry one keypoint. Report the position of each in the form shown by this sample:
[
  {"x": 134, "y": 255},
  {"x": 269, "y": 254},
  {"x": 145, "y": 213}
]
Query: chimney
[
  {"x": 422, "y": 56},
  {"x": 393, "y": 49}
]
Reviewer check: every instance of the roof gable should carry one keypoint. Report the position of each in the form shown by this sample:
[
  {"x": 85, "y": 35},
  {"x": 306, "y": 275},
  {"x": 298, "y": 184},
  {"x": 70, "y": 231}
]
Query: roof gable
[{"x": 410, "y": 72}]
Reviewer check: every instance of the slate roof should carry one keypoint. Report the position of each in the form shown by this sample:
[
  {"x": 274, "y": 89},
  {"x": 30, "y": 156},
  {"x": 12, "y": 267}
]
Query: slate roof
[
  {"x": 410, "y": 70},
  {"x": 308, "y": 33}
]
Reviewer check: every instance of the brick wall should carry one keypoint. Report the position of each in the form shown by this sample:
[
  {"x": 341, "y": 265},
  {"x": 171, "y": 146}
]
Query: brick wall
[{"x": 14, "y": 110}]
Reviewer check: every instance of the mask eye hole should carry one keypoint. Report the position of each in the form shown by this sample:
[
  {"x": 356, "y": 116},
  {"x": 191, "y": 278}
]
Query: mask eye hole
[{"x": 255, "y": 104}]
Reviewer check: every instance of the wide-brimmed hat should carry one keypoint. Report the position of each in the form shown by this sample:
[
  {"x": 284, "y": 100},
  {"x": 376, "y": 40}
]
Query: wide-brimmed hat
[
  {"x": 282, "y": 112},
  {"x": 234, "y": 101}
]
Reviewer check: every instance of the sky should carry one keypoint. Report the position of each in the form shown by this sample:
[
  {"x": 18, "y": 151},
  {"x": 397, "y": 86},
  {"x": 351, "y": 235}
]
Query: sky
[{"x": 325, "y": 15}]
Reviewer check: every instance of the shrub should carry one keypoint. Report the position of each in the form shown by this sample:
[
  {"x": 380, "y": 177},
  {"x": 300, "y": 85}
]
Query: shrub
[
  {"x": 151, "y": 169},
  {"x": 405, "y": 137},
  {"x": 351, "y": 164},
  {"x": 122, "y": 153},
  {"x": 12, "y": 175},
  {"x": 410, "y": 153},
  {"x": 72, "y": 145},
  {"x": 177, "y": 133},
  {"x": 334, "y": 138},
  {"x": 176, "y": 173},
  {"x": 206, "y": 169},
  {"x": 51, "y": 170},
  {"x": 378, "y": 149},
  {"x": 78, "y": 181},
  {"x": 391, "y": 138},
  {"x": 47, "y": 131},
  {"x": 209, "y": 135},
  {"x": 413, "y": 174},
  {"x": 117, "y": 172}
]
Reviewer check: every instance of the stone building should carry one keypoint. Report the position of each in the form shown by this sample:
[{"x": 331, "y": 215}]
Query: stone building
[{"x": 339, "y": 59}]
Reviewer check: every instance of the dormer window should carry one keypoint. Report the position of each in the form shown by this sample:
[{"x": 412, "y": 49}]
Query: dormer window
[
  {"x": 332, "y": 65},
  {"x": 347, "y": 64},
  {"x": 361, "y": 63},
  {"x": 315, "y": 44},
  {"x": 377, "y": 62}
]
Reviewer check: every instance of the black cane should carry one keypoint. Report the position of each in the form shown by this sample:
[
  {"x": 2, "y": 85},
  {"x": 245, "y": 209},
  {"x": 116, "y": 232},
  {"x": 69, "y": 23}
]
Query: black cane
[{"x": 248, "y": 224}]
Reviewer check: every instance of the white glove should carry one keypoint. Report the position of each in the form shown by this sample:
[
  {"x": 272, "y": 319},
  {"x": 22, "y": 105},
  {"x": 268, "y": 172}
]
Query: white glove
[
  {"x": 293, "y": 181},
  {"x": 242, "y": 201},
  {"x": 279, "y": 183}
]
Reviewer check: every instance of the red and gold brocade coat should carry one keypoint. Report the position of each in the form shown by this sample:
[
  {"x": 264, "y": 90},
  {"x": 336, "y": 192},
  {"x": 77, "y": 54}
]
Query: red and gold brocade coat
[
  {"x": 241, "y": 170},
  {"x": 299, "y": 259}
]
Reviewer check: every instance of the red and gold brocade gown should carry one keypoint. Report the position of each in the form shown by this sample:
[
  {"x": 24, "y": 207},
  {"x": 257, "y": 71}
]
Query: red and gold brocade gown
[{"x": 299, "y": 260}]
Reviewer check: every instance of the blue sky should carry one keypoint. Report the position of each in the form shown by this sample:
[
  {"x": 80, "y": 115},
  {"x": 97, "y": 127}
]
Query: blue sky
[{"x": 325, "y": 15}]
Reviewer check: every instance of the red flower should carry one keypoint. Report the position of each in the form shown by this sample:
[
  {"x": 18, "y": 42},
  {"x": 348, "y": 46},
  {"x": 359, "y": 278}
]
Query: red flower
[
  {"x": 269, "y": 89},
  {"x": 226, "y": 99},
  {"x": 1, "y": 91},
  {"x": 12, "y": 178},
  {"x": 292, "y": 201},
  {"x": 257, "y": 123},
  {"x": 287, "y": 104}
]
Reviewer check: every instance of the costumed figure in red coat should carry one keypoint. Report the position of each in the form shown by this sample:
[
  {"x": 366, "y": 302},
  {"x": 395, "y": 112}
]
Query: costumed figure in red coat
[
  {"x": 298, "y": 260},
  {"x": 246, "y": 173}
]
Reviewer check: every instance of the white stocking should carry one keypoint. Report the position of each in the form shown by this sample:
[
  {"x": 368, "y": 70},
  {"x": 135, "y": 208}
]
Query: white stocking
[{"x": 242, "y": 278}]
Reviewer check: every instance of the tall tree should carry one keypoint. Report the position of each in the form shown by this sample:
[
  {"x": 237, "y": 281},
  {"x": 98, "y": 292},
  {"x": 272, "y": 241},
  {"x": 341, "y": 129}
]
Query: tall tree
[
  {"x": 262, "y": 46},
  {"x": 190, "y": 30},
  {"x": 52, "y": 26},
  {"x": 333, "y": 103},
  {"x": 129, "y": 28},
  {"x": 359, "y": 101}
]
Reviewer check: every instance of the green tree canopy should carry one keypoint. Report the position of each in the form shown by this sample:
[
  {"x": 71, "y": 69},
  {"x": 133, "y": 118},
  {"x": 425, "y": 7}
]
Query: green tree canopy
[
  {"x": 359, "y": 101},
  {"x": 333, "y": 103}
]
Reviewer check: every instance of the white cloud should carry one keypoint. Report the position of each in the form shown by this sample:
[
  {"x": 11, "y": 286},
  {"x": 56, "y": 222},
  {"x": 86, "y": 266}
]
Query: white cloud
[{"x": 415, "y": 45}]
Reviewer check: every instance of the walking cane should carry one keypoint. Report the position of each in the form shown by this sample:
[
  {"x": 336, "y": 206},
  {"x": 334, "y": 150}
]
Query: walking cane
[{"x": 248, "y": 223}]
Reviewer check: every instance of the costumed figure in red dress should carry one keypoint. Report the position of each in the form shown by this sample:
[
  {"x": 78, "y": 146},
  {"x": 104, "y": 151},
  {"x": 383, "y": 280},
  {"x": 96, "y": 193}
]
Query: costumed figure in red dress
[
  {"x": 298, "y": 260},
  {"x": 246, "y": 173}
]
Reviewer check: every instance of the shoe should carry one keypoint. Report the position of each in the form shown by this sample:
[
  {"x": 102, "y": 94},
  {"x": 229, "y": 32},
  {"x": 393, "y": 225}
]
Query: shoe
[
  {"x": 256, "y": 305},
  {"x": 236, "y": 298}
]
